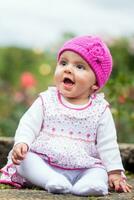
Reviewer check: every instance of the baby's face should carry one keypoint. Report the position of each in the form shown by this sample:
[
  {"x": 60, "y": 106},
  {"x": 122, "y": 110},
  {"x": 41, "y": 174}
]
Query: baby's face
[{"x": 73, "y": 77}]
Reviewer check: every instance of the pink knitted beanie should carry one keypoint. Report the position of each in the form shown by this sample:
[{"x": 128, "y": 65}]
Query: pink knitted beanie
[{"x": 95, "y": 52}]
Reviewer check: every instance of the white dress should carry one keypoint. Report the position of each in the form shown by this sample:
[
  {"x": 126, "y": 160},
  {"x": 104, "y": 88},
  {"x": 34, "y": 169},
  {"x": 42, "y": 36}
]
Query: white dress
[{"x": 66, "y": 136}]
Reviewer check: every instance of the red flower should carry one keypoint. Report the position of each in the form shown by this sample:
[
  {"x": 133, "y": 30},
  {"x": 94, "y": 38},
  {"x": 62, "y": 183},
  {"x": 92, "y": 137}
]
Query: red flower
[
  {"x": 27, "y": 80},
  {"x": 121, "y": 99}
]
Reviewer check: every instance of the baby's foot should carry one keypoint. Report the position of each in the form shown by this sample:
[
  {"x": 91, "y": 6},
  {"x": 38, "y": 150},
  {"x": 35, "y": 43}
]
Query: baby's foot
[
  {"x": 86, "y": 189},
  {"x": 58, "y": 184}
]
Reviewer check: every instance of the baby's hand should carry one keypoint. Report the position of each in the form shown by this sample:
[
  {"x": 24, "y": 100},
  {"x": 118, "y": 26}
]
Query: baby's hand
[
  {"x": 19, "y": 153},
  {"x": 117, "y": 182}
]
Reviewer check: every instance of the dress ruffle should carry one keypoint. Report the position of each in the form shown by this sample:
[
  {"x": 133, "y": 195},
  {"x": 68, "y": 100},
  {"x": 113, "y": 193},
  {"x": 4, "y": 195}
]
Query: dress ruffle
[{"x": 11, "y": 177}]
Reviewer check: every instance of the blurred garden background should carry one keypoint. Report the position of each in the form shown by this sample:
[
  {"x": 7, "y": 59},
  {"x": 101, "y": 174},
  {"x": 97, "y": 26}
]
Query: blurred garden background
[{"x": 27, "y": 70}]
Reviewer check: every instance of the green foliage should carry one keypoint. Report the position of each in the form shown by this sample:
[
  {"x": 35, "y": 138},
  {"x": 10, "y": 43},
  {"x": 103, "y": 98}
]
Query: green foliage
[
  {"x": 14, "y": 98},
  {"x": 16, "y": 95},
  {"x": 5, "y": 186},
  {"x": 120, "y": 88}
]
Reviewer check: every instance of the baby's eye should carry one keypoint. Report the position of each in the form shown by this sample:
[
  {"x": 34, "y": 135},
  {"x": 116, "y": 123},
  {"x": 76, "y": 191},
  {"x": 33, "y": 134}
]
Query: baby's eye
[
  {"x": 80, "y": 67},
  {"x": 63, "y": 62}
]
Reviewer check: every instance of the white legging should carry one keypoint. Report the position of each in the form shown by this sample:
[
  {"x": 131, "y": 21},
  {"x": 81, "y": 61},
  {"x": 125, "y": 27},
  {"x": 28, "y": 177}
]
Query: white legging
[{"x": 92, "y": 181}]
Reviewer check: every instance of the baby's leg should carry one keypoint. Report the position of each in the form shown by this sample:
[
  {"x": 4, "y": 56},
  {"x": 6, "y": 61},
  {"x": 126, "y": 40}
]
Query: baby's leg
[
  {"x": 39, "y": 173},
  {"x": 93, "y": 181}
]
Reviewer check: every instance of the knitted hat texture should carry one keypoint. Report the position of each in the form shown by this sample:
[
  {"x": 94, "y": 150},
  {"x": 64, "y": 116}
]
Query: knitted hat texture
[{"x": 95, "y": 52}]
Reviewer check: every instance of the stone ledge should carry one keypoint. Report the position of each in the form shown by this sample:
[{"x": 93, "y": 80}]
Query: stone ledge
[
  {"x": 6, "y": 144},
  {"x": 127, "y": 152}
]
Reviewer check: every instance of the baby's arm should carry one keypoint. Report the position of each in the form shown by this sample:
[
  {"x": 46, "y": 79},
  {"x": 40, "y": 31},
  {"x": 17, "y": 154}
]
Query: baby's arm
[
  {"x": 30, "y": 124},
  {"x": 19, "y": 152},
  {"x": 109, "y": 152},
  {"x": 118, "y": 182},
  {"x": 28, "y": 129}
]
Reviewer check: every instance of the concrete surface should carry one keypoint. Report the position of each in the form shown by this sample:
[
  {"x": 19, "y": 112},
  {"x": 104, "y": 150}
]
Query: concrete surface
[{"x": 29, "y": 194}]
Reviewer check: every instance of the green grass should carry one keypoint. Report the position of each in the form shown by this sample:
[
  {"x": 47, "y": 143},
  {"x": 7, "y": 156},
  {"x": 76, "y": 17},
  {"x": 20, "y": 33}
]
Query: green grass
[{"x": 5, "y": 186}]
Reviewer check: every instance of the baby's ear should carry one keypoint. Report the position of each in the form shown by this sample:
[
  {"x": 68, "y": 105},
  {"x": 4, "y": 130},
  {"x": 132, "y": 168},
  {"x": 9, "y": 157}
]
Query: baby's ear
[{"x": 94, "y": 87}]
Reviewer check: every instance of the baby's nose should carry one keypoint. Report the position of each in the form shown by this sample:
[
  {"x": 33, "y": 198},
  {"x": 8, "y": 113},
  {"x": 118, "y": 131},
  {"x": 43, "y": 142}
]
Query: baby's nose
[{"x": 68, "y": 69}]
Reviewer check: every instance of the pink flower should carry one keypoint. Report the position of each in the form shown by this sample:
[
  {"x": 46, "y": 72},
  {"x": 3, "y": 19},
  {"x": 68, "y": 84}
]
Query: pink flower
[
  {"x": 97, "y": 52},
  {"x": 19, "y": 97},
  {"x": 27, "y": 80}
]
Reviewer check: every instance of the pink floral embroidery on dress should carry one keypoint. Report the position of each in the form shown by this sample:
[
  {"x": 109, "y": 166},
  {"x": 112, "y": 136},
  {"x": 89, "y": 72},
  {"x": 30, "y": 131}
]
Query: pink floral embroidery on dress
[
  {"x": 55, "y": 144},
  {"x": 73, "y": 143}
]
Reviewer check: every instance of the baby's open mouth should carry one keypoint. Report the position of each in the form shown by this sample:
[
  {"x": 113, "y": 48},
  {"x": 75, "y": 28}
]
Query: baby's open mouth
[{"x": 68, "y": 81}]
